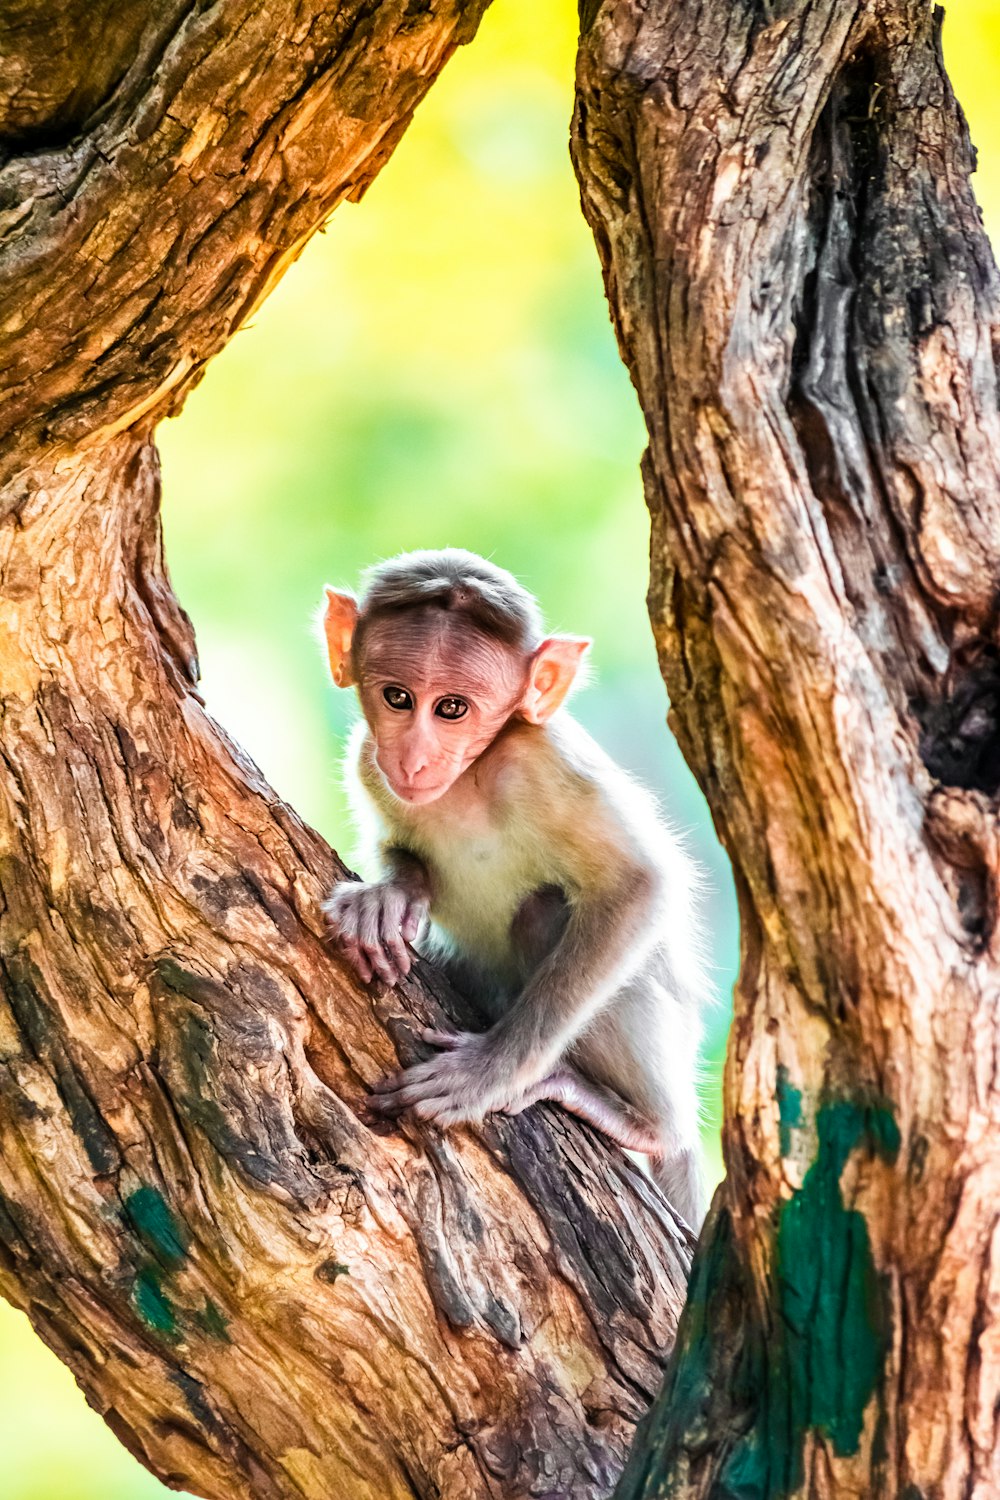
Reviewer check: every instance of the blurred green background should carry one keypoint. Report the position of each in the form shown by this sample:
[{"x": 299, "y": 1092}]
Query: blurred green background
[{"x": 438, "y": 369}]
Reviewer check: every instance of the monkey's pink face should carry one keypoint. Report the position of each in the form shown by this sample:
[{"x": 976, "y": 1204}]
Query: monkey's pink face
[{"x": 435, "y": 696}]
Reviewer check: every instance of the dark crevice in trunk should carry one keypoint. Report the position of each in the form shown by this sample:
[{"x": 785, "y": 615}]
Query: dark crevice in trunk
[
  {"x": 960, "y": 729},
  {"x": 831, "y": 402}
]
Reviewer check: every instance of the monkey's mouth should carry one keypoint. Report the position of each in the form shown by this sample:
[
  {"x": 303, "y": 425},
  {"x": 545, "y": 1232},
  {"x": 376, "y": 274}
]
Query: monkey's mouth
[{"x": 416, "y": 794}]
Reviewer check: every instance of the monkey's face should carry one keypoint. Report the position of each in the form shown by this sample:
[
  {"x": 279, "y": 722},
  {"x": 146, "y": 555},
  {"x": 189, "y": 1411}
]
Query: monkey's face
[{"x": 435, "y": 692}]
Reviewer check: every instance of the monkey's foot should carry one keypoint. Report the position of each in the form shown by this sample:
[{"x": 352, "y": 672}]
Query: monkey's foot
[
  {"x": 599, "y": 1107},
  {"x": 462, "y": 1084}
]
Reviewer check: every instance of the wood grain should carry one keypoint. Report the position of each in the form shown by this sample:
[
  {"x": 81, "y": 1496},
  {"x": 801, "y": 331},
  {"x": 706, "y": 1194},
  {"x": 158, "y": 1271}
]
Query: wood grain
[
  {"x": 265, "y": 1292},
  {"x": 808, "y": 306}
]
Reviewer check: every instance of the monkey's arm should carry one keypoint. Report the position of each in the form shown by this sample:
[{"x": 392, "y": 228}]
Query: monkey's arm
[
  {"x": 374, "y": 921},
  {"x": 609, "y": 933}
]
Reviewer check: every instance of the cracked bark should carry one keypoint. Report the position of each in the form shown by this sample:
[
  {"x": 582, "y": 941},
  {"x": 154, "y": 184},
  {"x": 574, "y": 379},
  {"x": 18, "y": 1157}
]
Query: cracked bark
[
  {"x": 808, "y": 305},
  {"x": 262, "y": 1294}
]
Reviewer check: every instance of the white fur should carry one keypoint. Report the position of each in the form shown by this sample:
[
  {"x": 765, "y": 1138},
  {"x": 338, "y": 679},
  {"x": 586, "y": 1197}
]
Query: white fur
[{"x": 546, "y": 806}]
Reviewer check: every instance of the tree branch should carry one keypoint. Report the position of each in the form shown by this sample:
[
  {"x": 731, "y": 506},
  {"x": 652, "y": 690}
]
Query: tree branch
[
  {"x": 262, "y": 1290},
  {"x": 808, "y": 305},
  {"x": 129, "y": 257}
]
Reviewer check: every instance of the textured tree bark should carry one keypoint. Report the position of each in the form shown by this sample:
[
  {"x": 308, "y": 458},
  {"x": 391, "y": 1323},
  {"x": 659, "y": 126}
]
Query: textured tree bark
[
  {"x": 263, "y": 1292},
  {"x": 808, "y": 306}
]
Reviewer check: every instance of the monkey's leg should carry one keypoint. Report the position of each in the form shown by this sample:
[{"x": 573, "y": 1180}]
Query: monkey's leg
[
  {"x": 678, "y": 1174},
  {"x": 598, "y": 1106}
]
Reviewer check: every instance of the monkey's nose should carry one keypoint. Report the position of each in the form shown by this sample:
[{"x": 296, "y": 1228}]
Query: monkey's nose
[{"x": 412, "y": 761}]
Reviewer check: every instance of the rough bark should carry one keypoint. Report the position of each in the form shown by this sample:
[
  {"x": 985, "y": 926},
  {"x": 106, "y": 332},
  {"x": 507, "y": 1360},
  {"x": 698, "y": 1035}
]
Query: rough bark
[
  {"x": 808, "y": 306},
  {"x": 262, "y": 1291}
]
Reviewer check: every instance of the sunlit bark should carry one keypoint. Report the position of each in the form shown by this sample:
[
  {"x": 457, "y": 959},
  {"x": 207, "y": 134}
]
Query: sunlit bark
[{"x": 262, "y": 1291}]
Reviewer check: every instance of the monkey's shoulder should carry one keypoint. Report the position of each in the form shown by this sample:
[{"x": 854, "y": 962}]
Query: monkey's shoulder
[
  {"x": 573, "y": 792},
  {"x": 558, "y": 758}
]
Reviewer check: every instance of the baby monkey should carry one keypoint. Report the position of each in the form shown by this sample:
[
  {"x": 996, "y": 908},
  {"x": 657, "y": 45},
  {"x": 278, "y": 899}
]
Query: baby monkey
[{"x": 556, "y": 896}]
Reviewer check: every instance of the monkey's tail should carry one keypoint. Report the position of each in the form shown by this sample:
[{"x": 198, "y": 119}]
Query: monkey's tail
[{"x": 680, "y": 1177}]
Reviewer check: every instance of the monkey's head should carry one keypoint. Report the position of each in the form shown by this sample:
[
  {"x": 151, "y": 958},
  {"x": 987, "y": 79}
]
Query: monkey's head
[{"x": 444, "y": 649}]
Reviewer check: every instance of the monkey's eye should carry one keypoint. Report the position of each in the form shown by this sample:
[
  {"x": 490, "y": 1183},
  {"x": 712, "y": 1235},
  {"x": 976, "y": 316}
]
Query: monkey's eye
[
  {"x": 451, "y": 708},
  {"x": 397, "y": 697}
]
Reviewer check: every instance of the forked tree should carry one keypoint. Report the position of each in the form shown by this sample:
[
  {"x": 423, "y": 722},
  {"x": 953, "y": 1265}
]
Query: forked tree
[{"x": 262, "y": 1293}]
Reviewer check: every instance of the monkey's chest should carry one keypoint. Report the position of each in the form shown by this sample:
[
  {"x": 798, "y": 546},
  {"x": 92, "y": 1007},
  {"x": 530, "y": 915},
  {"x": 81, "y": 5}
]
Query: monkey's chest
[{"x": 479, "y": 883}]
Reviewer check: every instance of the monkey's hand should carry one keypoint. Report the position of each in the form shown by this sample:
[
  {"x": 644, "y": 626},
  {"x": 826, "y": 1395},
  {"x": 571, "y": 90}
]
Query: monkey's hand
[
  {"x": 372, "y": 925},
  {"x": 462, "y": 1084}
]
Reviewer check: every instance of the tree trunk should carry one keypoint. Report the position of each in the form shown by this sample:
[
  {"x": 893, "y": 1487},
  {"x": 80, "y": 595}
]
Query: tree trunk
[
  {"x": 264, "y": 1292},
  {"x": 808, "y": 305}
]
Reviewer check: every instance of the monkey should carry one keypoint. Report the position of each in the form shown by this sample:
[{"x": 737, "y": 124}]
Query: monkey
[{"x": 514, "y": 851}]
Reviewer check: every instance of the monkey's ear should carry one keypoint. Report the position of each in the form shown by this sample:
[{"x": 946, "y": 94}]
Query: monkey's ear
[
  {"x": 339, "y": 619},
  {"x": 553, "y": 669}
]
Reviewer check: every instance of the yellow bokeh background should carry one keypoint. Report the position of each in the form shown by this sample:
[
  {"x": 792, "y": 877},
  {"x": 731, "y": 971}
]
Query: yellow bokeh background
[{"x": 438, "y": 369}]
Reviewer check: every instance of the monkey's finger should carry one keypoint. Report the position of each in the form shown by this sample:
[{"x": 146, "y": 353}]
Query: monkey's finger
[
  {"x": 423, "y": 1073},
  {"x": 441, "y": 1111},
  {"x": 396, "y": 1103},
  {"x": 383, "y": 1104},
  {"x": 355, "y": 956},
  {"x": 407, "y": 1092},
  {"x": 369, "y": 938},
  {"x": 412, "y": 922},
  {"x": 334, "y": 929},
  {"x": 386, "y": 1095},
  {"x": 397, "y": 952},
  {"x": 340, "y": 909},
  {"x": 345, "y": 929},
  {"x": 455, "y": 1114},
  {"x": 381, "y": 963},
  {"x": 388, "y": 1084},
  {"x": 448, "y": 1040},
  {"x": 407, "y": 1079}
]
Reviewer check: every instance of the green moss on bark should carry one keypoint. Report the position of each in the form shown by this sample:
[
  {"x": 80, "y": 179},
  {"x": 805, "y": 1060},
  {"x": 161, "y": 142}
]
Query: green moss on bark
[
  {"x": 151, "y": 1217},
  {"x": 816, "y": 1364},
  {"x": 830, "y": 1327}
]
